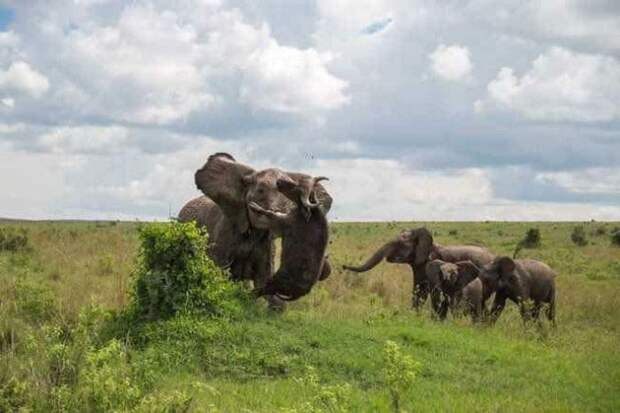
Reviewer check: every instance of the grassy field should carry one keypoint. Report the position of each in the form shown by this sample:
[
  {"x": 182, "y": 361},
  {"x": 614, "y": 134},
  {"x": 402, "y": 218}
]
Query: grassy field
[{"x": 62, "y": 342}]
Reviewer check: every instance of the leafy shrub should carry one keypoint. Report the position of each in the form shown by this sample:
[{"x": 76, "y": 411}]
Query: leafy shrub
[
  {"x": 324, "y": 398},
  {"x": 13, "y": 395},
  {"x": 453, "y": 232},
  {"x": 33, "y": 301},
  {"x": 578, "y": 236},
  {"x": 107, "y": 380},
  {"x": 615, "y": 238},
  {"x": 12, "y": 239},
  {"x": 530, "y": 240},
  {"x": 175, "y": 275},
  {"x": 399, "y": 370},
  {"x": 599, "y": 231}
]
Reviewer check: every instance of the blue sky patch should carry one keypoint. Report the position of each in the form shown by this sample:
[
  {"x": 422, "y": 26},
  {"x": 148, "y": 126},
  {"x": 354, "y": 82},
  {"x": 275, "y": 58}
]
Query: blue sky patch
[
  {"x": 6, "y": 17},
  {"x": 377, "y": 26}
]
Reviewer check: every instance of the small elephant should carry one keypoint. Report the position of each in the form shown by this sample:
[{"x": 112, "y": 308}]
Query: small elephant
[
  {"x": 447, "y": 281},
  {"x": 414, "y": 247},
  {"x": 522, "y": 281}
]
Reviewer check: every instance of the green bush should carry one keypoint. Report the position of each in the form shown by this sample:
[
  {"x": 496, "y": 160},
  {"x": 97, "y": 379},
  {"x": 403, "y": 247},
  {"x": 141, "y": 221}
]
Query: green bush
[
  {"x": 578, "y": 236},
  {"x": 530, "y": 240},
  {"x": 175, "y": 275},
  {"x": 400, "y": 371},
  {"x": 12, "y": 239},
  {"x": 615, "y": 238}
]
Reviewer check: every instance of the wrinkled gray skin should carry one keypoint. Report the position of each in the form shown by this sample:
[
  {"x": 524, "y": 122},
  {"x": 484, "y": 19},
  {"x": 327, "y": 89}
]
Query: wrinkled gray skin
[
  {"x": 529, "y": 283},
  {"x": 241, "y": 238},
  {"x": 447, "y": 280},
  {"x": 414, "y": 247},
  {"x": 304, "y": 240}
]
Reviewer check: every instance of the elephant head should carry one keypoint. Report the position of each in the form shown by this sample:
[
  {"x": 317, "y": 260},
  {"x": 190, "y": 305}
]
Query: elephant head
[
  {"x": 450, "y": 277},
  {"x": 233, "y": 186},
  {"x": 499, "y": 274},
  {"x": 411, "y": 247}
]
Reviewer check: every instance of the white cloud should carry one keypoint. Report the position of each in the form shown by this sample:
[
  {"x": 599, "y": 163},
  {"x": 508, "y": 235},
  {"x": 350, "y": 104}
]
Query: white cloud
[
  {"x": 585, "y": 181},
  {"x": 286, "y": 79},
  {"x": 367, "y": 189},
  {"x": 451, "y": 62},
  {"x": 20, "y": 77},
  {"x": 145, "y": 63},
  {"x": 84, "y": 140},
  {"x": 561, "y": 85}
]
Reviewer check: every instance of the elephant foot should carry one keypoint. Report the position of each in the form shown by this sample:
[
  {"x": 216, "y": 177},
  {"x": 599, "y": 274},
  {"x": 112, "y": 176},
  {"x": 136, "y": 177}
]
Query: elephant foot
[{"x": 276, "y": 304}]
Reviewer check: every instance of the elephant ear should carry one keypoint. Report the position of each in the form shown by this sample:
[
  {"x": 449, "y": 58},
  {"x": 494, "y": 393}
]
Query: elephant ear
[
  {"x": 424, "y": 245},
  {"x": 434, "y": 271},
  {"x": 224, "y": 180},
  {"x": 321, "y": 195},
  {"x": 468, "y": 271},
  {"x": 506, "y": 265}
]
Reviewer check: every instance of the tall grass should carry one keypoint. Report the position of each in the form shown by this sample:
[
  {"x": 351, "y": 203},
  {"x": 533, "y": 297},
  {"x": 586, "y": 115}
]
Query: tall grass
[{"x": 260, "y": 363}]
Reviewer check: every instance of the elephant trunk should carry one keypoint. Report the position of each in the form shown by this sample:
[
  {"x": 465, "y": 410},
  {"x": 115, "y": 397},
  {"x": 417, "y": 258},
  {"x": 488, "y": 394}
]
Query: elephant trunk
[{"x": 373, "y": 260}]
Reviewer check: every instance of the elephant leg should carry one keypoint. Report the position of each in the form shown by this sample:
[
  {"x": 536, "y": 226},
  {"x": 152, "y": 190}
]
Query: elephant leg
[
  {"x": 436, "y": 300},
  {"x": 420, "y": 294},
  {"x": 498, "y": 306},
  {"x": 443, "y": 309},
  {"x": 551, "y": 313},
  {"x": 262, "y": 274},
  {"x": 536, "y": 310}
]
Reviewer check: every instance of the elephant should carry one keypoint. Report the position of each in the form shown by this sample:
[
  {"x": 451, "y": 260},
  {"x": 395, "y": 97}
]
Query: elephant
[
  {"x": 304, "y": 240},
  {"x": 522, "y": 281},
  {"x": 447, "y": 280},
  {"x": 241, "y": 238},
  {"x": 414, "y": 247}
]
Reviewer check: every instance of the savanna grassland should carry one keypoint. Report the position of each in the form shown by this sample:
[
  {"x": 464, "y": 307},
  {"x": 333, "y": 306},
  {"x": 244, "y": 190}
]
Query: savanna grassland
[{"x": 353, "y": 344}]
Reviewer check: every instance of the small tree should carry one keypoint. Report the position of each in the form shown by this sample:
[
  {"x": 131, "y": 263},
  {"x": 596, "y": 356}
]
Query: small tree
[
  {"x": 174, "y": 274},
  {"x": 578, "y": 236},
  {"x": 615, "y": 237},
  {"x": 400, "y": 371},
  {"x": 531, "y": 240}
]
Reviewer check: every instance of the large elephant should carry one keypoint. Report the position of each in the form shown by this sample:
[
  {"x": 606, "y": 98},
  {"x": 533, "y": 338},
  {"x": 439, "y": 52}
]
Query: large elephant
[
  {"x": 524, "y": 282},
  {"x": 414, "y": 247},
  {"x": 242, "y": 238}
]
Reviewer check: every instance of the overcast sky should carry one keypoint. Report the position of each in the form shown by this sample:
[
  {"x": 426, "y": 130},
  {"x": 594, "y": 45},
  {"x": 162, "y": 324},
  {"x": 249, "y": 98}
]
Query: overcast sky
[{"x": 415, "y": 110}]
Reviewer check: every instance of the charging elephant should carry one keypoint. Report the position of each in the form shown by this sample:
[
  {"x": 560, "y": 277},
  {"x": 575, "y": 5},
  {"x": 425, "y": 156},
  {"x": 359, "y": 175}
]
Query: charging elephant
[
  {"x": 414, "y": 247},
  {"x": 525, "y": 282},
  {"x": 447, "y": 280},
  {"x": 240, "y": 237}
]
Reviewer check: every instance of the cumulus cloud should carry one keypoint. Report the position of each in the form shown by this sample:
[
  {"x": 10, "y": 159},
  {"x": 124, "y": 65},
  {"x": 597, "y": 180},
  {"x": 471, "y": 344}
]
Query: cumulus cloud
[
  {"x": 585, "y": 181},
  {"x": 84, "y": 140},
  {"x": 451, "y": 62},
  {"x": 144, "y": 63},
  {"x": 140, "y": 92},
  {"x": 561, "y": 85},
  {"x": 286, "y": 79},
  {"x": 21, "y": 78},
  {"x": 367, "y": 189}
]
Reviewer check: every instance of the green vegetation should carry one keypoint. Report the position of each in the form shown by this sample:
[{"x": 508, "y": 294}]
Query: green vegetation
[
  {"x": 531, "y": 240},
  {"x": 578, "y": 236},
  {"x": 84, "y": 327}
]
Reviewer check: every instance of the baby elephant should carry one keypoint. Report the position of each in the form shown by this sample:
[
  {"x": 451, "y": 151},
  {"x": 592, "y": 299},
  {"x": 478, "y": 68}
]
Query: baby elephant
[
  {"x": 522, "y": 281},
  {"x": 447, "y": 281}
]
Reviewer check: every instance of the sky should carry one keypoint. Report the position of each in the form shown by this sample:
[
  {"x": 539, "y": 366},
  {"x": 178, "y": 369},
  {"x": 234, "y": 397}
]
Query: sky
[{"x": 415, "y": 110}]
